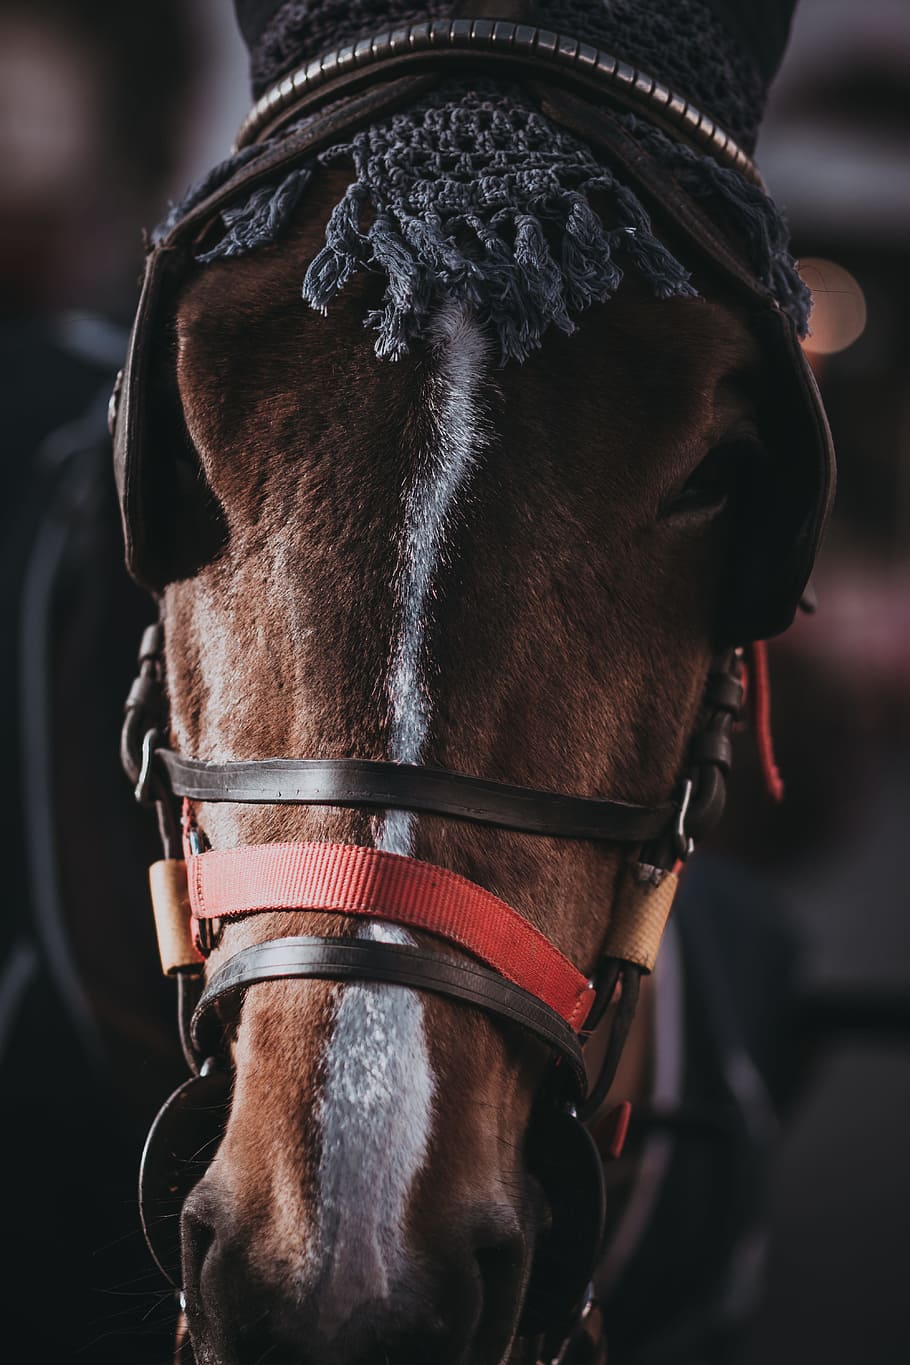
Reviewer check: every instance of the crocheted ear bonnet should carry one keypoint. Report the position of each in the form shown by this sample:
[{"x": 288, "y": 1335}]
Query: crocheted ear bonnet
[{"x": 473, "y": 194}]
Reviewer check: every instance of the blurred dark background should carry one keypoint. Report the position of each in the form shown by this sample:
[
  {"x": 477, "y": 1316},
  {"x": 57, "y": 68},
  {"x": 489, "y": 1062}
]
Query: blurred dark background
[
  {"x": 106, "y": 110},
  {"x": 835, "y": 149}
]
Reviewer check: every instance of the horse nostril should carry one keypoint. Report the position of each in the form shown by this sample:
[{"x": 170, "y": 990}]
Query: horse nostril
[
  {"x": 198, "y": 1235},
  {"x": 502, "y": 1267}
]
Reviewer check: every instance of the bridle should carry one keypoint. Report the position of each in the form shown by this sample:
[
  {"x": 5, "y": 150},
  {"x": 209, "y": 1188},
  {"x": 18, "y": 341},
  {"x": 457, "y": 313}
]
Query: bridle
[
  {"x": 525, "y": 980},
  {"x": 514, "y": 973},
  {"x": 502, "y": 966}
]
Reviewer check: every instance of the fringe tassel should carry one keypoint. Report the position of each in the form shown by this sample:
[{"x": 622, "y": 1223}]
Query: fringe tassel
[
  {"x": 475, "y": 196},
  {"x": 262, "y": 218},
  {"x": 747, "y": 210}
]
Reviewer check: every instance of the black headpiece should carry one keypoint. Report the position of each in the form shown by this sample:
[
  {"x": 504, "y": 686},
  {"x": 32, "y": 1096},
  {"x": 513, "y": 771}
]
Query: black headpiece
[
  {"x": 482, "y": 190},
  {"x": 721, "y": 54}
]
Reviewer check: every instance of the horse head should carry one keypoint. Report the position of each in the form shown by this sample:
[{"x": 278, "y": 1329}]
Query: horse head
[{"x": 509, "y": 539}]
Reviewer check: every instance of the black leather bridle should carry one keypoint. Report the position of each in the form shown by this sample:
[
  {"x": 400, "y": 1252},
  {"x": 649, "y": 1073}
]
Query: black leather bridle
[{"x": 340, "y": 92}]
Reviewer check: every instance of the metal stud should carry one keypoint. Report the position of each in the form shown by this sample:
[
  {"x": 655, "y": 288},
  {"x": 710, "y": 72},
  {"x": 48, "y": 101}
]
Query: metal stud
[
  {"x": 400, "y": 40},
  {"x": 677, "y": 106},
  {"x": 523, "y": 41},
  {"x": 382, "y": 46}
]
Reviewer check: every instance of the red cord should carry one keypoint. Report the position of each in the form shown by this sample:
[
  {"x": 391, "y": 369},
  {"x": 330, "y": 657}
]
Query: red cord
[{"x": 759, "y": 693}]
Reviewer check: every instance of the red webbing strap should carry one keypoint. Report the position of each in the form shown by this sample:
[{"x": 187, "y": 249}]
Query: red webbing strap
[
  {"x": 351, "y": 880},
  {"x": 759, "y": 695}
]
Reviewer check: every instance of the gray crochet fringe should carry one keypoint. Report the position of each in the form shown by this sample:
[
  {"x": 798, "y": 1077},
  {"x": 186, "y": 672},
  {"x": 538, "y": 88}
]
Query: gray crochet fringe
[
  {"x": 476, "y": 196},
  {"x": 744, "y": 208}
]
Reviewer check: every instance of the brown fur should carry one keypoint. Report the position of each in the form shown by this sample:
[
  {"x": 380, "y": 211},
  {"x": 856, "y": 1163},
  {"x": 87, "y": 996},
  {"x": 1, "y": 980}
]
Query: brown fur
[{"x": 571, "y": 635}]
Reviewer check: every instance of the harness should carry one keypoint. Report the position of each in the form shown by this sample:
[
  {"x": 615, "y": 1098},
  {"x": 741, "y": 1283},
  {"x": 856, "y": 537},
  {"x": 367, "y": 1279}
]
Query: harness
[{"x": 505, "y": 967}]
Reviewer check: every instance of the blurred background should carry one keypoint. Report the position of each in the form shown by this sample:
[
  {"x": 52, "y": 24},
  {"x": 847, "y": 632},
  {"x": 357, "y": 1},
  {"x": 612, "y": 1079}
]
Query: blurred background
[{"x": 107, "y": 111}]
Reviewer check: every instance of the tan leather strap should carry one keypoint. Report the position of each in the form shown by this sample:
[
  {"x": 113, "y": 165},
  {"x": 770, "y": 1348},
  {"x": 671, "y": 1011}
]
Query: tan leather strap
[
  {"x": 173, "y": 917},
  {"x": 640, "y": 913}
]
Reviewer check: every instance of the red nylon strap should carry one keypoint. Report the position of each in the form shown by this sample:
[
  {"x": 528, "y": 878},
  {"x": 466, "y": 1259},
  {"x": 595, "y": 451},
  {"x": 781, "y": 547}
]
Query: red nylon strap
[
  {"x": 760, "y": 690},
  {"x": 351, "y": 880}
]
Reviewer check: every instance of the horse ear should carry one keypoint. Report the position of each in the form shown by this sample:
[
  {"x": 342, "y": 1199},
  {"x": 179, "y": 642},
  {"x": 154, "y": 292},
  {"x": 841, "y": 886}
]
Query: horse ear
[
  {"x": 253, "y": 17},
  {"x": 762, "y": 29}
]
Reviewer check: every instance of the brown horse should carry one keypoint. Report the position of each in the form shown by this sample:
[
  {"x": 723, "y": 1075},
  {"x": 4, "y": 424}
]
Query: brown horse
[{"x": 519, "y": 572}]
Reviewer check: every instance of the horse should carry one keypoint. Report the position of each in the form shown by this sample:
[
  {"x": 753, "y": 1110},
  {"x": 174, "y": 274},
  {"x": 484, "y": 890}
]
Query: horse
[{"x": 452, "y": 639}]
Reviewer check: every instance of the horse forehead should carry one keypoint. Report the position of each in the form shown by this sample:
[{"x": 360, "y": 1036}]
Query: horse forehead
[{"x": 632, "y": 344}]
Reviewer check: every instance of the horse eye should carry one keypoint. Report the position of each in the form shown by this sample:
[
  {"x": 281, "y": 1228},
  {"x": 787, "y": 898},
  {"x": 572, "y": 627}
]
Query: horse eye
[{"x": 710, "y": 486}]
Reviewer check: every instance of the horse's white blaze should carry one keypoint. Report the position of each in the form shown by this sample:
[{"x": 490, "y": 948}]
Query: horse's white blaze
[
  {"x": 375, "y": 1121},
  {"x": 453, "y": 406},
  {"x": 376, "y": 1107}
]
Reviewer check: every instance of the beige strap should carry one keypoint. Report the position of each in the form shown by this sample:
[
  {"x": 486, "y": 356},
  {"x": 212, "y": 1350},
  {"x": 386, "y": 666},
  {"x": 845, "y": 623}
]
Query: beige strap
[
  {"x": 171, "y": 905},
  {"x": 640, "y": 914}
]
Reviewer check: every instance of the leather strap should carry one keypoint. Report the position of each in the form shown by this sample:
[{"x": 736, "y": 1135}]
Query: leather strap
[
  {"x": 173, "y": 917},
  {"x": 641, "y": 908},
  {"x": 344, "y": 959},
  {"x": 351, "y": 879},
  {"x": 488, "y": 47},
  {"x": 405, "y": 786}
]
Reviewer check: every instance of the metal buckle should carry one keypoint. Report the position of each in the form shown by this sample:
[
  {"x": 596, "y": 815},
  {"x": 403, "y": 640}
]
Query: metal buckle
[
  {"x": 684, "y": 843},
  {"x": 208, "y": 931},
  {"x": 143, "y": 788}
]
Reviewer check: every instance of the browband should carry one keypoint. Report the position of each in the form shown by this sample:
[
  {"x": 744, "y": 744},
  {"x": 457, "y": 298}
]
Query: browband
[
  {"x": 405, "y": 786},
  {"x": 344, "y": 959},
  {"x": 490, "y": 46}
]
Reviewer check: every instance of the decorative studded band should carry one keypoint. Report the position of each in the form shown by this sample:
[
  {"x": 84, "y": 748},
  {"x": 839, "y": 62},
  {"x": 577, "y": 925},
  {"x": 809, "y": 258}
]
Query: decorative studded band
[{"x": 491, "y": 46}]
